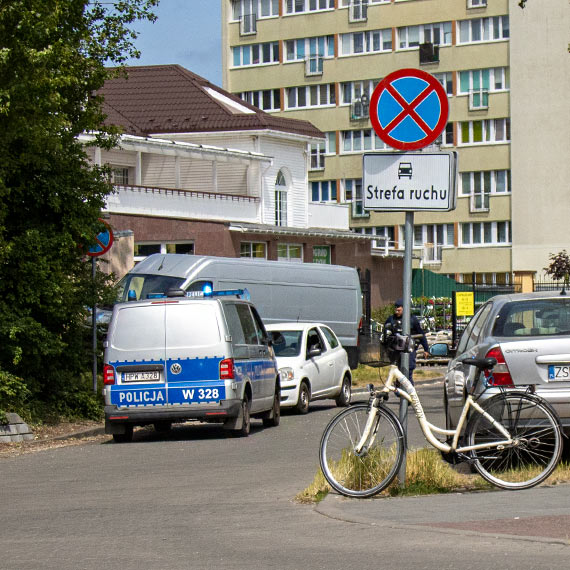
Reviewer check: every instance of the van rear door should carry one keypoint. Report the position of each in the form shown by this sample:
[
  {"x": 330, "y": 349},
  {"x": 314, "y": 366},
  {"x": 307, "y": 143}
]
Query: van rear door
[
  {"x": 137, "y": 353},
  {"x": 194, "y": 350}
]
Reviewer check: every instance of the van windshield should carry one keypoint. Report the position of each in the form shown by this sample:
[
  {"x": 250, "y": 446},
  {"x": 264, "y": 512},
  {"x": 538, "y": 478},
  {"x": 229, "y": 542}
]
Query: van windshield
[{"x": 135, "y": 286}]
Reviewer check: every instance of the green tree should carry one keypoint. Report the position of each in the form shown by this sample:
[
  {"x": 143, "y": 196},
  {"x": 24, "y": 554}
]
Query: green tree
[
  {"x": 559, "y": 267},
  {"x": 53, "y": 58}
]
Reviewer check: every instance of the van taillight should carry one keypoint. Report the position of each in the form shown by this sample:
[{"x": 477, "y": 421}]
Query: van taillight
[
  {"x": 227, "y": 369},
  {"x": 108, "y": 374},
  {"x": 501, "y": 374}
]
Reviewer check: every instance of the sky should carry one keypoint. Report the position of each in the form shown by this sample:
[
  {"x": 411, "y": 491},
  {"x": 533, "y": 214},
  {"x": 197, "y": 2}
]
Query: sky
[{"x": 187, "y": 32}]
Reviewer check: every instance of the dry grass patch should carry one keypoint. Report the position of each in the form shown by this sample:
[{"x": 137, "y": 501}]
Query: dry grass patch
[{"x": 426, "y": 473}]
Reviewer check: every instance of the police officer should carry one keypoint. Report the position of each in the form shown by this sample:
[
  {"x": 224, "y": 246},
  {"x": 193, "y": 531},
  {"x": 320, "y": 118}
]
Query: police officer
[{"x": 393, "y": 325}]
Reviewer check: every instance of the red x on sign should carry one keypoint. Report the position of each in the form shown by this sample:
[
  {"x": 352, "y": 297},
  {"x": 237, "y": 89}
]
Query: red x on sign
[{"x": 409, "y": 109}]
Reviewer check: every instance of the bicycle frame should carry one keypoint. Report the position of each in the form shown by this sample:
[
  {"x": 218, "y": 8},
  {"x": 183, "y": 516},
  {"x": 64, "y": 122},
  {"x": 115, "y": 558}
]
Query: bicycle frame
[{"x": 407, "y": 391}]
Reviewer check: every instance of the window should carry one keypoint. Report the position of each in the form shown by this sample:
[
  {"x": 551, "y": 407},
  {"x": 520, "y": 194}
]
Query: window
[
  {"x": 485, "y": 132},
  {"x": 256, "y": 54},
  {"x": 299, "y": 6},
  {"x": 330, "y": 144},
  {"x": 413, "y": 36},
  {"x": 353, "y": 195},
  {"x": 317, "y": 156},
  {"x": 300, "y": 49},
  {"x": 446, "y": 80},
  {"x": 253, "y": 249},
  {"x": 346, "y": 3},
  {"x": 120, "y": 176},
  {"x": 261, "y": 8},
  {"x": 476, "y": 3},
  {"x": 480, "y": 185},
  {"x": 323, "y": 191},
  {"x": 384, "y": 233},
  {"x": 489, "y": 79},
  {"x": 267, "y": 100},
  {"x": 373, "y": 41},
  {"x": 289, "y": 252},
  {"x": 142, "y": 249},
  {"x": 310, "y": 96},
  {"x": 280, "y": 200},
  {"x": 485, "y": 233},
  {"x": 446, "y": 137},
  {"x": 353, "y": 90},
  {"x": 483, "y": 29},
  {"x": 332, "y": 340},
  {"x": 361, "y": 140}
]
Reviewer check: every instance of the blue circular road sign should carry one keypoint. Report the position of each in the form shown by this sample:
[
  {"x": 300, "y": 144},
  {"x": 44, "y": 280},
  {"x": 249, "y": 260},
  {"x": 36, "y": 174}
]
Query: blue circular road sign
[{"x": 409, "y": 109}]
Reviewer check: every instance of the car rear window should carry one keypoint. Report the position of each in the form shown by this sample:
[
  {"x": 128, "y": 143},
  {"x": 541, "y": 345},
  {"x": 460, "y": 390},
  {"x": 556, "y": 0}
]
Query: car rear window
[{"x": 534, "y": 317}]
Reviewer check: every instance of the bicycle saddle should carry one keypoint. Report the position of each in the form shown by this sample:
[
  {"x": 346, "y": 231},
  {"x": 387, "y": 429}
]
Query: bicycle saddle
[{"x": 482, "y": 363}]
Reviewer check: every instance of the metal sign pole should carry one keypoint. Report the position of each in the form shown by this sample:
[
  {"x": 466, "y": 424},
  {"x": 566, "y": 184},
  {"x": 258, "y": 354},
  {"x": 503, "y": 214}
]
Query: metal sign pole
[
  {"x": 406, "y": 325},
  {"x": 94, "y": 325}
]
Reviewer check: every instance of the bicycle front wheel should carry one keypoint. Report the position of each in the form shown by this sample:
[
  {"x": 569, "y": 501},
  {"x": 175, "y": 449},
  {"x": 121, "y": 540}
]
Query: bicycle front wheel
[
  {"x": 366, "y": 473},
  {"x": 537, "y": 441}
]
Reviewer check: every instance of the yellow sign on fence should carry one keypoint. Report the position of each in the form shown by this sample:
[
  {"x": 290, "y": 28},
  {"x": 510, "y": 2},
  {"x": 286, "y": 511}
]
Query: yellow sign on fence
[{"x": 465, "y": 304}]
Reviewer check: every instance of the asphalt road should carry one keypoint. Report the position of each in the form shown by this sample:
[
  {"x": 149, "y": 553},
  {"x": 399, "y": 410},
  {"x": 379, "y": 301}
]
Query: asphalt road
[{"x": 197, "y": 499}]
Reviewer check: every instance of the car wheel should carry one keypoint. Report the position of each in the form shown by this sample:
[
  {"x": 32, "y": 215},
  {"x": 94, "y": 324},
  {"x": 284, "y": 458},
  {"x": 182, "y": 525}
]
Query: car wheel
[
  {"x": 246, "y": 419},
  {"x": 302, "y": 405},
  {"x": 343, "y": 399},
  {"x": 126, "y": 437},
  {"x": 274, "y": 417},
  {"x": 162, "y": 427}
]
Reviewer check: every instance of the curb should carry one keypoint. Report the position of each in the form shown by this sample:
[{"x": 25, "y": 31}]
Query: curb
[{"x": 78, "y": 434}]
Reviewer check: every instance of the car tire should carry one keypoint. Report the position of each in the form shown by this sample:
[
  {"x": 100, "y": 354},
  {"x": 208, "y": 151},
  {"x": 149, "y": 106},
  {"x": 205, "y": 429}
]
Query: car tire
[
  {"x": 343, "y": 399},
  {"x": 302, "y": 405},
  {"x": 126, "y": 437},
  {"x": 274, "y": 416},
  {"x": 246, "y": 419}
]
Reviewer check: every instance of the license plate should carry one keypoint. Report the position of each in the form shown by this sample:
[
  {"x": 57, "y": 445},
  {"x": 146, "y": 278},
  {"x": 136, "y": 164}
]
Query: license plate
[
  {"x": 559, "y": 373},
  {"x": 148, "y": 376}
]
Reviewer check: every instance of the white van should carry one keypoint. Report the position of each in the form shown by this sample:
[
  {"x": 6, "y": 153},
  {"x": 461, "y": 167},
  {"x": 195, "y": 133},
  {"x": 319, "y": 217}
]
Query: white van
[{"x": 281, "y": 291}]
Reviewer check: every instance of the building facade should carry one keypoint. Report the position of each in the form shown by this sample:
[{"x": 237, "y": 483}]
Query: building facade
[
  {"x": 320, "y": 60},
  {"x": 199, "y": 171}
]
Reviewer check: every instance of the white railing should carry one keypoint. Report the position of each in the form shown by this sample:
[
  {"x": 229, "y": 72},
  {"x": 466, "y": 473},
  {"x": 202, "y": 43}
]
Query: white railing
[{"x": 185, "y": 204}]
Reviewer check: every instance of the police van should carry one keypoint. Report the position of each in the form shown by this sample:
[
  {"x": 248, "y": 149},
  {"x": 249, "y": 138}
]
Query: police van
[{"x": 171, "y": 358}]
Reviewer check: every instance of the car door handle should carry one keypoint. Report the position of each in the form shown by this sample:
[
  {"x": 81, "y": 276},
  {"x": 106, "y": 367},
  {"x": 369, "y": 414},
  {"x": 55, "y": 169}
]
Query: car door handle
[{"x": 331, "y": 363}]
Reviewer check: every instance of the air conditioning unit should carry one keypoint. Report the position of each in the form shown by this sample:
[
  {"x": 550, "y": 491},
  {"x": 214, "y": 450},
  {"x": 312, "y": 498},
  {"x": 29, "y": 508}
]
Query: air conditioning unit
[
  {"x": 358, "y": 11},
  {"x": 359, "y": 108},
  {"x": 314, "y": 65},
  {"x": 429, "y": 53},
  {"x": 248, "y": 25},
  {"x": 478, "y": 99}
]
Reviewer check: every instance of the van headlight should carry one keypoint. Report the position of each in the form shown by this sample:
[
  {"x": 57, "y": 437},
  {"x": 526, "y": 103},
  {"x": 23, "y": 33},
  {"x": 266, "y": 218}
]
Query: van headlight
[{"x": 286, "y": 374}]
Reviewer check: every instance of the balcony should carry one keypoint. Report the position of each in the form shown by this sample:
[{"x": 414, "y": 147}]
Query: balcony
[
  {"x": 330, "y": 216},
  {"x": 248, "y": 25},
  {"x": 432, "y": 254},
  {"x": 429, "y": 53},
  {"x": 358, "y": 11},
  {"x": 184, "y": 204},
  {"x": 314, "y": 65}
]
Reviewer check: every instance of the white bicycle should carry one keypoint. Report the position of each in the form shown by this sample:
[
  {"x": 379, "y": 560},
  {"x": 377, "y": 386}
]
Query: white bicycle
[{"x": 513, "y": 439}]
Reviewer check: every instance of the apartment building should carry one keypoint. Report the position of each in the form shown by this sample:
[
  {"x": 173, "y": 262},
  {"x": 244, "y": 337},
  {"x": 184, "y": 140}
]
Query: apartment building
[{"x": 320, "y": 60}]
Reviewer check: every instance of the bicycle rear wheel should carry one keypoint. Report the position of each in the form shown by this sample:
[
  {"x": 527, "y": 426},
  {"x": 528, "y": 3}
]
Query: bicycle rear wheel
[
  {"x": 366, "y": 473},
  {"x": 535, "y": 429}
]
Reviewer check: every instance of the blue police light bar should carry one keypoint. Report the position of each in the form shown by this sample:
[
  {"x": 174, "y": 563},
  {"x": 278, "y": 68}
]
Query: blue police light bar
[{"x": 225, "y": 293}]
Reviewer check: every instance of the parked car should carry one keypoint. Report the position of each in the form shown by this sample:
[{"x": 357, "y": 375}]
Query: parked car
[
  {"x": 529, "y": 336},
  {"x": 312, "y": 363},
  {"x": 178, "y": 358}
]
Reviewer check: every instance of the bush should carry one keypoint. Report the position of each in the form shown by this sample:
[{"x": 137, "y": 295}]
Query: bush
[{"x": 13, "y": 395}]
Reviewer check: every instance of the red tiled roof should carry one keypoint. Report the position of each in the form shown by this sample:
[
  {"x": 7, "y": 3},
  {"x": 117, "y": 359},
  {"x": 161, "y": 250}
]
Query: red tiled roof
[{"x": 171, "y": 99}]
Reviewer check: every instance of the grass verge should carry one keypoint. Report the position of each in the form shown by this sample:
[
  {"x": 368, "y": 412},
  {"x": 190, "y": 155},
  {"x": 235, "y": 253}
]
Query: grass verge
[{"x": 426, "y": 474}]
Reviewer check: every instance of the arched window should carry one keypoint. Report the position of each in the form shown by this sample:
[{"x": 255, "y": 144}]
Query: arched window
[{"x": 280, "y": 200}]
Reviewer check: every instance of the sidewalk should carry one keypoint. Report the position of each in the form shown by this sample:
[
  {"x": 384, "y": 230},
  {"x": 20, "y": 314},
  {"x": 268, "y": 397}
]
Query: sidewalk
[{"x": 541, "y": 514}]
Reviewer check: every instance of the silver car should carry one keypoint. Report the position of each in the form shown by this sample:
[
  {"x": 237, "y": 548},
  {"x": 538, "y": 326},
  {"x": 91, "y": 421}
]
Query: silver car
[{"x": 529, "y": 336}]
